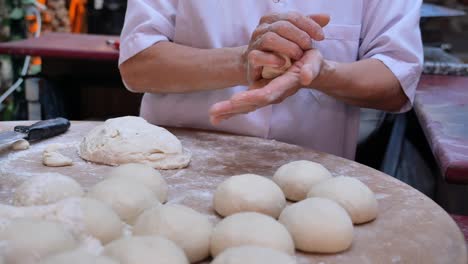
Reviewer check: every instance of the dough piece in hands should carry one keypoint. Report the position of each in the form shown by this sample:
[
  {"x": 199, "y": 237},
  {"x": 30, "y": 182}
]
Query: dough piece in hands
[
  {"x": 77, "y": 257},
  {"x": 145, "y": 250},
  {"x": 318, "y": 225},
  {"x": 51, "y": 157},
  {"x": 143, "y": 174},
  {"x": 131, "y": 139},
  {"x": 21, "y": 144},
  {"x": 27, "y": 241},
  {"x": 253, "y": 255},
  {"x": 297, "y": 177},
  {"x": 249, "y": 193},
  {"x": 189, "y": 229},
  {"x": 271, "y": 72},
  {"x": 82, "y": 216},
  {"x": 353, "y": 195},
  {"x": 46, "y": 189},
  {"x": 127, "y": 198},
  {"x": 250, "y": 228}
]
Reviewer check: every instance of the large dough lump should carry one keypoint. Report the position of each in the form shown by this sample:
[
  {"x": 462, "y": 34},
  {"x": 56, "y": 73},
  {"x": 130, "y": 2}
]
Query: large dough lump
[
  {"x": 249, "y": 193},
  {"x": 133, "y": 140}
]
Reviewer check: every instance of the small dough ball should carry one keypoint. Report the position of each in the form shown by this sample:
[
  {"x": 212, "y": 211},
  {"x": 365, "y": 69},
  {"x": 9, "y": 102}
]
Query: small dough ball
[
  {"x": 127, "y": 198},
  {"x": 318, "y": 225},
  {"x": 145, "y": 250},
  {"x": 21, "y": 144},
  {"x": 250, "y": 228},
  {"x": 189, "y": 229},
  {"x": 29, "y": 240},
  {"x": 297, "y": 177},
  {"x": 353, "y": 195},
  {"x": 253, "y": 255},
  {"x": 55, "y": 159},
  {"x": 272, "y": 72},
  {"x": 249, "y": 193},
  {"x": 143, "y": 174},
  {"x": 46, "y": 189},
  {"x": 100, "y": 220},
  {"x": 77, "y": 257}
]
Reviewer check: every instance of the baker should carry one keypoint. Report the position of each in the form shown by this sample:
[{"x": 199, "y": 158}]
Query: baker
[{"x": 200, "y": 65}]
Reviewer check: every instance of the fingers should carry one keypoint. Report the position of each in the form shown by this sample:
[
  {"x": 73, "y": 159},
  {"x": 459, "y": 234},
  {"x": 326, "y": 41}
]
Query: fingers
[
  {"x": 304, "y": 23},
  {"x": 321, "y": 19},
  {"x": 274, "y": 92},
  {"x": 257, "y": 60},
  {"x": 216, "y": 120},
  {"x": 290, "y": 34},
  {"x": 312, "y": 64},
  {"x": 271, "y": 41},
  {"x": 286, "y": 30}
]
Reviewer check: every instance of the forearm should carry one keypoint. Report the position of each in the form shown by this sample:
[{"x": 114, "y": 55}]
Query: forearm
[
  {"x": 366, "y": 83},
  {"x": 167, "y": 67}
]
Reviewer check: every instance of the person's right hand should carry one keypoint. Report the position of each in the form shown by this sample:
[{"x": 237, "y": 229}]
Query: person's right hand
[{"x": 287, "y": 33}]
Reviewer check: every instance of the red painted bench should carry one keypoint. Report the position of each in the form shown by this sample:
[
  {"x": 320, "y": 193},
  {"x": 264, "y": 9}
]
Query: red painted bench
[{"x": 462, "y": 222}]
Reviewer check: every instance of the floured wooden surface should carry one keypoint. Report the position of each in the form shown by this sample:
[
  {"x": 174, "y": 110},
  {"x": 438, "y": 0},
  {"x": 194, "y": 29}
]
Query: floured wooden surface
[{"x": 410, "y": 227}]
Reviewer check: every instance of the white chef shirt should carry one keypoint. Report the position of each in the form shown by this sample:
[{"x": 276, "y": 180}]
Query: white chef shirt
[{"x": 387, "y": 30}]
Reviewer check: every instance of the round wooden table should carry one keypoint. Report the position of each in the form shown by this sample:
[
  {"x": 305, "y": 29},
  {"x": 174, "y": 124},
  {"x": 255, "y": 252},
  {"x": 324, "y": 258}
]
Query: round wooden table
[{"x": 410, "y": 227}]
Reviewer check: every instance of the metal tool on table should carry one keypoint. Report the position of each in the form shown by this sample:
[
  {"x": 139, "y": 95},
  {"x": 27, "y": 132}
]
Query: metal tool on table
[{"x": 37, "y": 131}]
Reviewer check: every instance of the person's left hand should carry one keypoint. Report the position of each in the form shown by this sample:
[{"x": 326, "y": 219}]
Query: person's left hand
[{"x": 265, "y": 92}]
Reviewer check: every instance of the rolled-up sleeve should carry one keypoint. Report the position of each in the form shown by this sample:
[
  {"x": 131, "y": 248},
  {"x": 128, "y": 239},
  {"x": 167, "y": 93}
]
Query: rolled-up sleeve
[
  {"x": 391, "y": 34},
  {"x": 146, "y": 23}
]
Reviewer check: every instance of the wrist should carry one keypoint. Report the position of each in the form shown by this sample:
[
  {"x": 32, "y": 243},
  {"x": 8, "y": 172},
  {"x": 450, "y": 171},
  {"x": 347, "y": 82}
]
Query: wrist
[
  {"x": 241, "y": 67},
  {"x": 326, "y": 76}
]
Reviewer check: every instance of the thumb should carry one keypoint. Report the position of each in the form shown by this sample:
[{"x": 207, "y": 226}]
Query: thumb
[
  {"x": 311, "y": 67},
  {"x": 321, "y": 19}
]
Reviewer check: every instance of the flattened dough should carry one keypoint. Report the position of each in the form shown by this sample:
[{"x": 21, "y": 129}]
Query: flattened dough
[
  {"x": 131, "y": 139},
  {"x": 21, "y": 144},
  {"x": 51, "y": 157}
]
